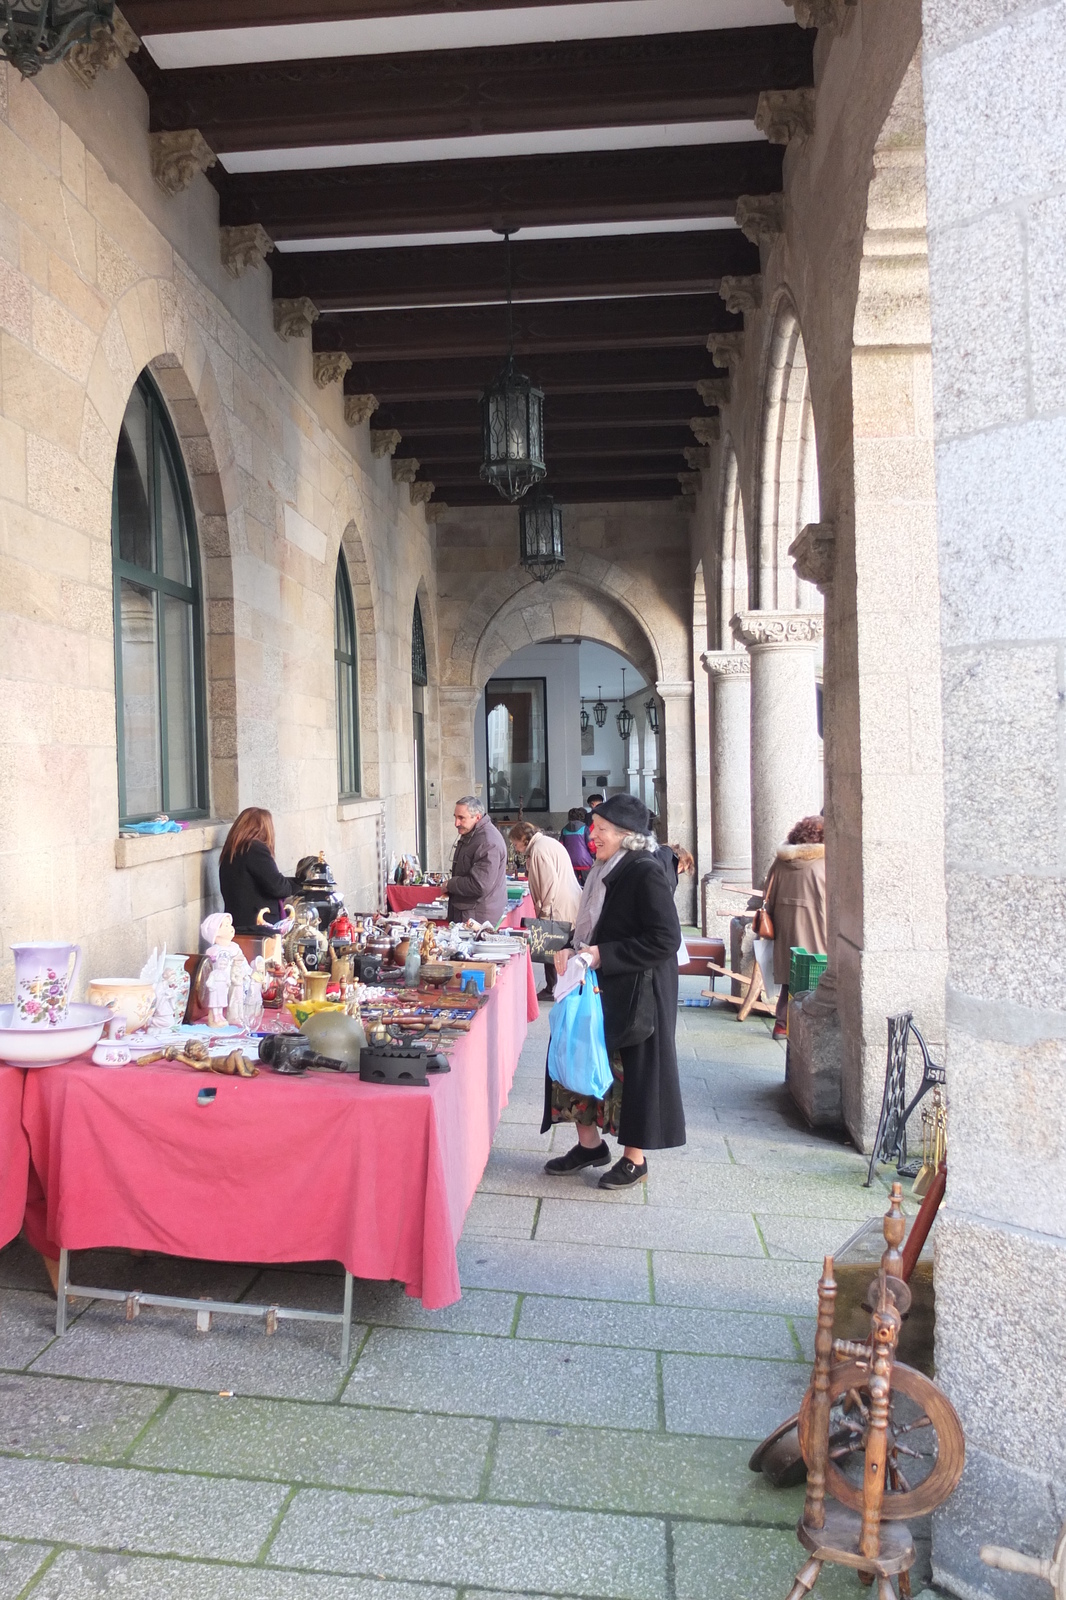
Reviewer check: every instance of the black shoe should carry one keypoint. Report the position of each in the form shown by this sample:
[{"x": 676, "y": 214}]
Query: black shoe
[
  {"x": 579, "y": 1157},
  {"x": 623, "y": 1173}
]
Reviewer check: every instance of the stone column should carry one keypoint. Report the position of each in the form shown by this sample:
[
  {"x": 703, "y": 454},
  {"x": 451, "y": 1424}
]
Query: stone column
[
  {"x": 678, "y": 803},
  {"x": 730, "y": 675},
  {"x": 786, "y": 770},
  {"x": 456, "y": 705}
]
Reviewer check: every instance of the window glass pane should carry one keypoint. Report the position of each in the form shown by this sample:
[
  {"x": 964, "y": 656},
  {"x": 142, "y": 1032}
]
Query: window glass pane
[
  {"x": 345, "y": 729},
  {"x": 135, "y": 543},
  {"x": 172, "y": 526},
  {"x": 515, "y": 710},
  {"x": 181, "y": 705},
  {"x": 140, "y": 698},
  {"x": 343, "y": 628}
]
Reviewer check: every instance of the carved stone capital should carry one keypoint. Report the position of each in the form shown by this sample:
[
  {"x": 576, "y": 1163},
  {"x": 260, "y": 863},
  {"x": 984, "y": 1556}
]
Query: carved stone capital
[
  {"x": 421, "y": 493},
  {"x": 682, "y": 689},
  {"x": 726, "y": 663},
  {"x": 689, "y": 481},
  {"x": 726, "y": 349},
  {"x": 177, "y": 157},
  {"x": 293, "y": 318},
  {"x": 706, "y": 429},
  {"x": 383, "y": 441},
  {"x": 814, "y": 554},
  {"x": 698, "y": 457},
  {"x": 107, "y": 49},
  {"x": 762, "y": 630},
  {"x": 761, "y": 217},
  {"x": 359, "y": 408},
  {"x": 404, "y": 469},
  {"x": 330, "y": 367},
  {"x": 741, "y": 295},
  {"x": 786, "y": 114},
  {"x": 828, "y": 14},
  {"x": 244, "y": 247},
  {"x": 435, "y": 510},
  {"x": 713, "y": 391}
]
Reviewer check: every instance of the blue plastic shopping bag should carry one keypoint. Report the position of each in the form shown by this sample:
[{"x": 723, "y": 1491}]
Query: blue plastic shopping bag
[{"x": 577, "y": 1054}]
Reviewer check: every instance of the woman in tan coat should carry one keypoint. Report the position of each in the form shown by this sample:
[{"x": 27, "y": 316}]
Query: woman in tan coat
[
  {"x": 794, "y": 895},
  {"x": 555, "y": 890}
]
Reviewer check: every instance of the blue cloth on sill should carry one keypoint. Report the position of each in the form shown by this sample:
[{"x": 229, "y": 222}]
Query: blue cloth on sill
[{"x": 157, "y": 825}]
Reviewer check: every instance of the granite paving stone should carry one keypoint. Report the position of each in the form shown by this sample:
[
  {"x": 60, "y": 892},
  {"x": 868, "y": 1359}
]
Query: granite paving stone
[
  {"x": 734, "y": 1283},
  {"x": 655, "y": 1327},
  {"x": 18, "y": 1563},
  {"x": 386, "y": 1304},
  {"x": 648, "y": 1227},
  {"x": 702, "y": 1186},
  {"x": 508, "y": 1216},
  {"x": 592, "y": 1469},
  {"x": 62, "y": 1417},
  {"x": 522, "y": 1172},
  {"x": 154, "y": 1273},
  {"x": 27, "y": 1326},
  {"x": 728, "y": 1397},
  {"x": 488, "y": 1546},
  {"x": 519, "y": 1378},
  {"x": 808, "y": 1239},
  {"x": 124, "y": 1508},
  {"x": 300, "y": 1362},
  {"x": 342, "y": 1445},
  {"x": 716, "y": 1562},
  {"x": 22, "y": 1268},
  {"x": 567, "y": 1269},
  {"x": 89, "y": 1575}
]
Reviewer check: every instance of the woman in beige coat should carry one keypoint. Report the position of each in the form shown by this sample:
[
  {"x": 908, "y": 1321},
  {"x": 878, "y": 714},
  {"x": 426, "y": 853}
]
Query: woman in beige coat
[
  {"x": 555, "y": 890},
  {"x": 794, "y": 895}
]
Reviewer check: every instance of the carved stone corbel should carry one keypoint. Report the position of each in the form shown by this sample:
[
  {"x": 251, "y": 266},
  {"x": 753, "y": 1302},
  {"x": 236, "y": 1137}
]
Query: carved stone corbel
[
  {"x": 813, "y": 554},
  {"x": 741, "y": 295},
  {"x": 359, "y": 408},
  {"x": 177, "y": 157},
  {"x": 421, "y": 493},
  {"x": 383, "y": 441},
  {"x": 761, "y": 217},
  {"x": 330, "y": 367},
  {"x": 713, "y": 391},
  {"x": 690, "y": 482},
  {"x": 697, "y": 457},
  {"x": 726, "y": 663},
  {"x": 435, "y": 510},
  {"x": 107, "y": 49},
  {"x": 293, "y": 317},
  {"x": 242, "y": 247},
  {"x": 827, "y": 14},
  {"x": 785, "y": 114},
  {"x": 726, "y": 349},
  {"x": 404, "y": 469},
  {"x": 706, "y": 429}
]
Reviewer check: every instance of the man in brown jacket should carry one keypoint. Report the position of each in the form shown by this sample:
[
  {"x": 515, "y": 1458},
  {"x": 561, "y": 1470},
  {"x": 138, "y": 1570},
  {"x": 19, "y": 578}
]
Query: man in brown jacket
[{"x": 477, "y": 888}]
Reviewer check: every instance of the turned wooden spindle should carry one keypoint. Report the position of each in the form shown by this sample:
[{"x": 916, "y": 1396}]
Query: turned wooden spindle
[
  {"x": 884, "y": 1333},
  {"x": 894, "y": 1228},
  {"x": 814, "y": 1505}
]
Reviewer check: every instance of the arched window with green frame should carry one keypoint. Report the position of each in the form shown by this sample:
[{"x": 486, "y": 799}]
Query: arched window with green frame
[
  {"x": 346, "y": 657},
  {"x": 159, "y": 670}
]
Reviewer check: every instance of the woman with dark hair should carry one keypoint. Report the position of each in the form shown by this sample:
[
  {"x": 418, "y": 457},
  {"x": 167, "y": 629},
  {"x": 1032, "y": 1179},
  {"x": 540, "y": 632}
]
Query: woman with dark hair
[
  {"x": 794, "y": 895},
  {"x": 575, "y": 841},
  {"x": 248, "y": 875},
  {"x": 627, "y": 926}
]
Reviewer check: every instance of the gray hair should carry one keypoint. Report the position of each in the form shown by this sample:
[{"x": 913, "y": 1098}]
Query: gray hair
[{"x": 472, "y": 803}]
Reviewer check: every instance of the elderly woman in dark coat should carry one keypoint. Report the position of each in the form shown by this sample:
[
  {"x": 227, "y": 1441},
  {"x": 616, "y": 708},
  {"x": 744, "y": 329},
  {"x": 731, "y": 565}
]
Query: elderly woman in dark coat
[{"x": 629, "y": 928}]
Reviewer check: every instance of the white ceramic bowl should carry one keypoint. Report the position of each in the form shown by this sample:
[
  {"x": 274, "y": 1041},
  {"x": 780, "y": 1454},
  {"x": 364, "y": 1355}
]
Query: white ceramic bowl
[{"x": 50, "y": 1047}]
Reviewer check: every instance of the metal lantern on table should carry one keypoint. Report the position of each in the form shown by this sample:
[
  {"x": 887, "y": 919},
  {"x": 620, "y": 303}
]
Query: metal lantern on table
[
  {"x": 540, "y": 537},
  {"x": 36, "y": 33}
]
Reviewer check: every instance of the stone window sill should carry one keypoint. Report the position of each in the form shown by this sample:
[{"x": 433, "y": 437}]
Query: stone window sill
[
  {"x": 142, "y": 849},
  {"x": 356, "y": 809}
]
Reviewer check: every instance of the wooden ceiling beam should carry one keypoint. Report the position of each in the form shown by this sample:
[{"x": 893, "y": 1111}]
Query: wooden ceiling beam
[
  {"x": 567, "y": 491},
  {"x": 644, "y": 409},
  {"x": 451, "y": 94},
  {"x": 444, "y": 471},
  {"x": 192, "y": 16},
  {"x": 603, "y": 442},
  {"x": 629, "y": 263},
  {"x": 598, "y": 372},
  {"x": 509, "y": 193}
]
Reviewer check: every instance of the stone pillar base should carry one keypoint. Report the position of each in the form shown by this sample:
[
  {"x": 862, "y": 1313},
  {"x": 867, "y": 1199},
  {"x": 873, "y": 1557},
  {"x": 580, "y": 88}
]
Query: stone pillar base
[{"x": 814, "y": 1060}]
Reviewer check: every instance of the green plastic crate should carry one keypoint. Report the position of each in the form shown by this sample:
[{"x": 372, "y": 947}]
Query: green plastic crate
[{"x": 805, "y": 970}]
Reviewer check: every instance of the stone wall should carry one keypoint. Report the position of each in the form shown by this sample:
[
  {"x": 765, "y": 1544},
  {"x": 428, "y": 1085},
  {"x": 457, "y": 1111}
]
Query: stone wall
[
  {"x": 102, "y": 275},
  {"x": 997, "y": 217}
]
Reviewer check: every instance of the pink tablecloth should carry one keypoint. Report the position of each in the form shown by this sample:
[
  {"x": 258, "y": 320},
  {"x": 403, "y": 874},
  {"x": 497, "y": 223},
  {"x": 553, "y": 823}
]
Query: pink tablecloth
[
  {"x": 403, "y": 897},
  {"x": 14, "y": 1152},
  {"x": 277, "y": 1169}
]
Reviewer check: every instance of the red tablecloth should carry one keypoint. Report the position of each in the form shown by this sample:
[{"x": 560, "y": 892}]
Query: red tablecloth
[
  {"x": 404, "y": 897},
  {"x": 276, "y": 1169},
  {"x": 14, "y": 1151}
]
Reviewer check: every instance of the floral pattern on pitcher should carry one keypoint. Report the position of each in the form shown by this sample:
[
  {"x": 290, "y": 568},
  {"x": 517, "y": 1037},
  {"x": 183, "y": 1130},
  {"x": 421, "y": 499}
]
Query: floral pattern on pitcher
[{"x": 43, "y": 1001}]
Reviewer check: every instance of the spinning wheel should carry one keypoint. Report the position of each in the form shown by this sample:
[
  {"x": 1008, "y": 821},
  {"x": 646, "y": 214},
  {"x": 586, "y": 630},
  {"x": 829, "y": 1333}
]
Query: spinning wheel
[{"x": 924, "y": 1444}]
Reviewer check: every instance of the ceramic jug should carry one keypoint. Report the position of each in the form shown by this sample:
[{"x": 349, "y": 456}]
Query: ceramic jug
[{"x": 44, "y": 978}]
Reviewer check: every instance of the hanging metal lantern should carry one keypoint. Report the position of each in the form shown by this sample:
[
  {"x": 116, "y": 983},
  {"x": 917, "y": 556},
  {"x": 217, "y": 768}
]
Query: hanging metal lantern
[
  {"x": 38, "y": 32},
  {"x": 624, "y": 718},
  {"x": 540, "y": 537},
  {"x": 651, "y": 711},
  {"x": 585, "y": 719},
  {"x": 599, "y": 710},
  {"x": 512, "y": 422}
]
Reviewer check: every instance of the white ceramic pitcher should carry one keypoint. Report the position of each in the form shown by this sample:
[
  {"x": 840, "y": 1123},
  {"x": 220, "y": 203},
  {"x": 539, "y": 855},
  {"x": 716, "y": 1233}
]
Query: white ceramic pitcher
[{"x": 44, "y": 979}]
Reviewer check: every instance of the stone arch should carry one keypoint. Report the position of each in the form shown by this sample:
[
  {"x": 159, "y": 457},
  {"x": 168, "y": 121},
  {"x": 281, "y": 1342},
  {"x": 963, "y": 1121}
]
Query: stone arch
[
  {"x": 353, "y": 548},
  {"x": 787, "y": 489},
  {"x": 730, "y": 590},
  {"x": 564, "y": 608}
]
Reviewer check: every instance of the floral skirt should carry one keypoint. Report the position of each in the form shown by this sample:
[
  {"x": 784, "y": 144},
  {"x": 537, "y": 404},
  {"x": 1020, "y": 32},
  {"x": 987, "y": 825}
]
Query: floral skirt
[{"x": 566, "y": 1106}]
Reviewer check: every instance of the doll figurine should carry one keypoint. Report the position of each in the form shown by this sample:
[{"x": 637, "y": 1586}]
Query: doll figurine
[{"x": 223, "y": 967}]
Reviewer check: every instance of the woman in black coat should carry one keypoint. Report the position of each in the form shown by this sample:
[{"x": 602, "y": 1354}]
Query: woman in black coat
[
  {"x": 628, "y": 926},
  {"x": 248, "y": 875}
]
